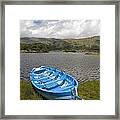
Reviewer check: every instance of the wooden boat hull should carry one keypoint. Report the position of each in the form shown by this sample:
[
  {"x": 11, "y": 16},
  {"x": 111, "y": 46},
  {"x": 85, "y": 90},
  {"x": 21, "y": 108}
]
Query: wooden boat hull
[
  {"x": 56, "y": 96},
  {"x": 47, "y": 85}
]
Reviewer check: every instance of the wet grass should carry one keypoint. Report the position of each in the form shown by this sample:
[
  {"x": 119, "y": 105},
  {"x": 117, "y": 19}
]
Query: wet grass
[{"x": 89, "y": 90}]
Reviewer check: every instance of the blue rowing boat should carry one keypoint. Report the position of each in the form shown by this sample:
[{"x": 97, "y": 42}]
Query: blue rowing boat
[{"x": 54, "y": 84}]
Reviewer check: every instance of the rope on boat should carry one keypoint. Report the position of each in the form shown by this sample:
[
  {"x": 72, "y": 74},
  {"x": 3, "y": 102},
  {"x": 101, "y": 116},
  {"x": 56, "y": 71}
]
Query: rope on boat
[
  {"x": 75, "y": 94},
  {"x": 78, "y": 98}
]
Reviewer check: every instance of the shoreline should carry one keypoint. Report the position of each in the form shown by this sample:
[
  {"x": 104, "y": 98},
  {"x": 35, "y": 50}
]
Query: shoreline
[{"x": 52, "y": 52}]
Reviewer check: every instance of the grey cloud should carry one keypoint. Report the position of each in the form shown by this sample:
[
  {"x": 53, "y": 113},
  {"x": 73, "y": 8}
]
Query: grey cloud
[{"x": 60, "y": 28}]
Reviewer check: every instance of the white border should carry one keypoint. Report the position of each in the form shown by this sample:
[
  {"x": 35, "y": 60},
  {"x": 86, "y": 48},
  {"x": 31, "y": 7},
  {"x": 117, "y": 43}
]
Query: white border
[{"x": 13, "y": 104}]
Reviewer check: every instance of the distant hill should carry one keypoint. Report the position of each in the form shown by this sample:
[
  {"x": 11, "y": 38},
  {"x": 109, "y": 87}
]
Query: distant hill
[
  {"x": 30, "y": 44},
  {"x": 90, "y": 41}
]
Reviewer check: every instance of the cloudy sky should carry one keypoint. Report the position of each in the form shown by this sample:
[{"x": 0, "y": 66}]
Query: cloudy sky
[{"x": 59, "y": 28}]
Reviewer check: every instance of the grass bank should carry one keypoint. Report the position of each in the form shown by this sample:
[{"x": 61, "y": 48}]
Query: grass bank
[
  {"x": 27, "y": 92},
  {"x": 89, "y": 90}
]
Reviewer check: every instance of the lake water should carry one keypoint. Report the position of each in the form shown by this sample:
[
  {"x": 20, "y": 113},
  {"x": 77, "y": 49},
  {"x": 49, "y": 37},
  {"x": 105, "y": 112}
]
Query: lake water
[{"x": 82, "y": 67}]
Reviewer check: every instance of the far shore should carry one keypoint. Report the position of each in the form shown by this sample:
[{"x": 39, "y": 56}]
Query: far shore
[{"x": 81, "y": 52}]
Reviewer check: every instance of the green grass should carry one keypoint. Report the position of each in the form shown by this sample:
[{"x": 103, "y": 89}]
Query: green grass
[
  {"x": 89, "y": 90},
  {"x": 27, "y": 92}
]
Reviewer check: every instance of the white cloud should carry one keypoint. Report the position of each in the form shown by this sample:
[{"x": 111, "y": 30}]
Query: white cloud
[{"x": 59, "y": 28}]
